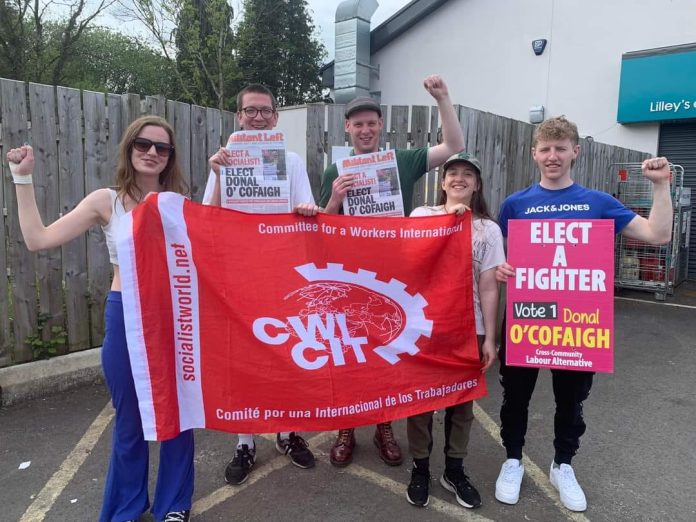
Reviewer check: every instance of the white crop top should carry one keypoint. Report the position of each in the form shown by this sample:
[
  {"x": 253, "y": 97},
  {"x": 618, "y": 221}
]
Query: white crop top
[{"x": 110, "y": 229}]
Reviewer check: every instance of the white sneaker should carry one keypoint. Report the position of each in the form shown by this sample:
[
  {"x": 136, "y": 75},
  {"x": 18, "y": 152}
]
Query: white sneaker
[
  {"x": 507, "y": 487},
  {"x": 563, "y": 479}
]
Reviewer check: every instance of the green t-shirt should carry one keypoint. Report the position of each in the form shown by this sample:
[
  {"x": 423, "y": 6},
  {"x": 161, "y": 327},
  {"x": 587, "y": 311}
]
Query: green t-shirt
[{"x": 412, "y": 164}]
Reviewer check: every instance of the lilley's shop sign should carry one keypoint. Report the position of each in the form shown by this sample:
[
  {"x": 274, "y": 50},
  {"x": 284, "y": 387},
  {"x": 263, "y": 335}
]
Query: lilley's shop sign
[{"x": 658, "y": 85}]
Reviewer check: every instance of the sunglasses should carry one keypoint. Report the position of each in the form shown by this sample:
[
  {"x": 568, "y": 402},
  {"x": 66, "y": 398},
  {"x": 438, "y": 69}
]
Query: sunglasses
[{"x": 144, "y": 145}]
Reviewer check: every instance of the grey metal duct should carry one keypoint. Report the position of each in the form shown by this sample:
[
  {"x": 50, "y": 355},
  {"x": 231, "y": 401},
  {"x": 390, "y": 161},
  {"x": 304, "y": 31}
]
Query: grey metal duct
[{"x": 352, "y": 61}]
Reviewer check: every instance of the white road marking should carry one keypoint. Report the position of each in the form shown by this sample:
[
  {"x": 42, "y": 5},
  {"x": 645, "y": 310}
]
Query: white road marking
[
  {"x": 46, "y": 498},
  {"x": 56, "y": 484}
]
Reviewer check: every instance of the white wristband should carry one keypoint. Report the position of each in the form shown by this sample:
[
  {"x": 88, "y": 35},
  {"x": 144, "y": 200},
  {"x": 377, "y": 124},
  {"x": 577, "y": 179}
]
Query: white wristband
[
  {"x": 22, "y": 179},
  {"x": 19, "y": 179}
]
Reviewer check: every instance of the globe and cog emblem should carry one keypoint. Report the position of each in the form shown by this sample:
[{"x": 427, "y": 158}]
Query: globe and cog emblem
[
  {"x": 367, "y": 313},
  {"x": 385, "y": 312}
]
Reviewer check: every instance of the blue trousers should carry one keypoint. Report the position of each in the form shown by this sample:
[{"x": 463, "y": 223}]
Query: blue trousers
[{"x": 125, "y": 490}]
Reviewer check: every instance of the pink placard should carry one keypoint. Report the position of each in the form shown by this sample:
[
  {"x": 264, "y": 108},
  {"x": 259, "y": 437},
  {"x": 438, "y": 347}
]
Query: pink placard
[{"x": 560, "y": 303}]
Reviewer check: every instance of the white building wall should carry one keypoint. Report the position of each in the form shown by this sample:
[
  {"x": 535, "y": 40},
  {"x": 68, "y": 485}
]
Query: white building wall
[
  {"x": 483, "y": 49},
  {"x": 292, "y": 121}
]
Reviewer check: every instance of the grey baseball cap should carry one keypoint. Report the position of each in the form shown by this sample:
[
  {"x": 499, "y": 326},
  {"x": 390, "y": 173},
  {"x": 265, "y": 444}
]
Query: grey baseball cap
[
  {"x": 462, "y": 156},
  {"x": 363, "y": 103}
]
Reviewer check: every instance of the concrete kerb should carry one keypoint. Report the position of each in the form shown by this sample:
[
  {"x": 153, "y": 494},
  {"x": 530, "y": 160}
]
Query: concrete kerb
[{"x": 41, "y": 378}]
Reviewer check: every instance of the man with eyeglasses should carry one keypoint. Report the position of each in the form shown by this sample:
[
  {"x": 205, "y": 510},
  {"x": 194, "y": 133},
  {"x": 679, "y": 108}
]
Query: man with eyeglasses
[{"x": 257, "y": 111}]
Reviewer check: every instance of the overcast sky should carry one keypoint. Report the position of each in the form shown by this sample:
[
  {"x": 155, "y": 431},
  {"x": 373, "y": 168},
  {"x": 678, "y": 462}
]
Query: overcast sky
[{"x": 324, "y": 15}]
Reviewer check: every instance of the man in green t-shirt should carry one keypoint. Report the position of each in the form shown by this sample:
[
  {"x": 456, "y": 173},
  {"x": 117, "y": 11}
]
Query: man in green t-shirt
[{"x": 364, "y": 124}]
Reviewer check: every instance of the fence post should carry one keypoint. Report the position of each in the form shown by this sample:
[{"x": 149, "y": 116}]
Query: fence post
[
  {"x": 336, "y": 129},
  {"x": 72, "y": 190},
  {"x": 419, "y": 138},
  {"x": 98, "y": 174},
  {"x": 155, "y": 105},
  {"x": 179, "y": 117},
  {"x": 131, "y": 108},
  {"x": 19, "y": 261},
  {"x": 228, "y": 121},
  {"x": 199, "y": 157},
  {"x": 432, "y": 178},
  {"x": 42, "y": 99},
  {"x": 315, "y": 146}
]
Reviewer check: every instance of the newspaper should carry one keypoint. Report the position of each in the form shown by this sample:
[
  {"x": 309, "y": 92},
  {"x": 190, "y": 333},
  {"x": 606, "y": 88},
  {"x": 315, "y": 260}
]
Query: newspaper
[
  {"x": 377, "y": 189},
  {"x": 257, "y": 178}
]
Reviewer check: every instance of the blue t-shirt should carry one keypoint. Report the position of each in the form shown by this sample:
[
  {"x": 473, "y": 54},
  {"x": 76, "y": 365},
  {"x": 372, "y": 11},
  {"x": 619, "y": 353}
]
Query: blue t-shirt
[{"x": 574, "y": 202}]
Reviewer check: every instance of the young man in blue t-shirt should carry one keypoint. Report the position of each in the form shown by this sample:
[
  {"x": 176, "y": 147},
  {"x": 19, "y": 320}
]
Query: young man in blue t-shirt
[{"x": 554, "y": 149}]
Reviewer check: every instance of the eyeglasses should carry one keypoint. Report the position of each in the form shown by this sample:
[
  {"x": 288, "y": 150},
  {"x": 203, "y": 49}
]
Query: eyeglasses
[
  {"x": 144, "y": 145},
  {"x": 251, "y": 112}
]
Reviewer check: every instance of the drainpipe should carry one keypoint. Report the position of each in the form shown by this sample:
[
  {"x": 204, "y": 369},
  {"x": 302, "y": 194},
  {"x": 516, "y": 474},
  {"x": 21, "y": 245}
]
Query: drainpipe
[{"x": 352, "y": 67}]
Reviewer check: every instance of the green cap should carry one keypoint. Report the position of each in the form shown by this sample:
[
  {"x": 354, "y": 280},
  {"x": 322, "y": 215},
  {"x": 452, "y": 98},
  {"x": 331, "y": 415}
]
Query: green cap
[{"x": 463, "y": 156}]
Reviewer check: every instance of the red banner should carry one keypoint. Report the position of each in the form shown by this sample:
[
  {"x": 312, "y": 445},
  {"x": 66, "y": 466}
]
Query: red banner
[
  {"x": 560, "y": 304},
  {"x": 277, "y": 322}
]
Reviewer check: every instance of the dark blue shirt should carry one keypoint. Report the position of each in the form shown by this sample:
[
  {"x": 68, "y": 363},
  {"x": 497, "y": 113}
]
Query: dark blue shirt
[{"x": 574, "y": 202}]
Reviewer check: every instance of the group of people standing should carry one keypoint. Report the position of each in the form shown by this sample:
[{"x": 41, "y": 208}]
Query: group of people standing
[{"x": 148, "y": 163}]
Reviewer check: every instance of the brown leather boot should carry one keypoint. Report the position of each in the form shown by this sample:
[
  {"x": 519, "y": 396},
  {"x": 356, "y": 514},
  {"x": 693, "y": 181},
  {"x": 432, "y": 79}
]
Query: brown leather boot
[
  {"x": 342, "y": 450},
  {"x": 389, "y": 449}
]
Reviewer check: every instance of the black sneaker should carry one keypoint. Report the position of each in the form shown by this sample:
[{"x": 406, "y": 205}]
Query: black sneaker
[
  {"x": 295, "y": 447},
  {"x": 458, "y": 483},
  {"x": 177, "y": 516},
  {"x": 417, "y": 492},
  {"x": 238, "y": 469}
]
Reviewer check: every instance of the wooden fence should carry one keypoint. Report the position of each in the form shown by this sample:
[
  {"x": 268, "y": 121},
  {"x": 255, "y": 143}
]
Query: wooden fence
[{"x": 75, "y": 136}]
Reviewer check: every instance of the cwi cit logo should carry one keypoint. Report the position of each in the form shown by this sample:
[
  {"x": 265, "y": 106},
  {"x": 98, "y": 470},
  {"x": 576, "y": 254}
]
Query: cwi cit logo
[{"x": 345, "y": 314}]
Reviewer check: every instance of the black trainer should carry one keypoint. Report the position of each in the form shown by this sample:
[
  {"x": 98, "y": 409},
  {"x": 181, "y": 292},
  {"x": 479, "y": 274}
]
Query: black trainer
[
  {"x": 418, "y": 489},
  {"x": 177, "y": 516},
  {"x": 238, "y": 469},
  {"x": 297, "y": 450},
  {"x": 458, "y": 483}
]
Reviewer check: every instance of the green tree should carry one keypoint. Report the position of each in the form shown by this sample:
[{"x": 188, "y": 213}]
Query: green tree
[
  {"x": 105, "y": 60},
  {"x": 277, "y": 46},
  {"x": 13, "y": 44},
  {"x": 204, "y": 51},
  {"x": 196, "y": 36},
  {"x": 29, "y": 49}
]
